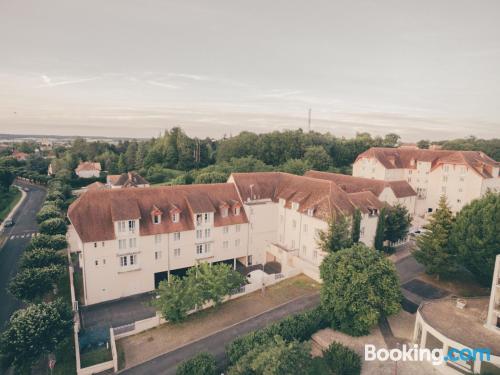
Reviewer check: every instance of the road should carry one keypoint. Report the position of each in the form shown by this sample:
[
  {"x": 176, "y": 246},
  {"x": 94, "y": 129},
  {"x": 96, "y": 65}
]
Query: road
[
  {"x": 17, "y": 238},
  {"x": 216, "y": 343}
]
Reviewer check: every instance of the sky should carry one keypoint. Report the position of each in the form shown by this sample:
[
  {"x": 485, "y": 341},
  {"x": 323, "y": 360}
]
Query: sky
[{"x": 426, "y": 69}]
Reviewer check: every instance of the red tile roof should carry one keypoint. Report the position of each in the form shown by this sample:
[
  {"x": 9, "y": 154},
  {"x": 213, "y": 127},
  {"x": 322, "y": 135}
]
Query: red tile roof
[
  {"x": 351, "y": 184},
  {"x": 93, "y": 213},
  {"x": 406, "y": 158}
]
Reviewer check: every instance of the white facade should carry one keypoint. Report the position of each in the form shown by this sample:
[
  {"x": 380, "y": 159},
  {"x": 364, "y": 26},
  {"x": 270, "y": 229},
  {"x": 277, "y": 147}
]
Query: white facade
[{"x": 88, "y": 173}]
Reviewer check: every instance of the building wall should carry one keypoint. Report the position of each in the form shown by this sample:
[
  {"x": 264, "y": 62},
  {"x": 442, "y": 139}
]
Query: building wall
[
  {"x": 368, "y": 228},
  {"x": 494, "y": 306},
  {"x": 88, "y": 174}
]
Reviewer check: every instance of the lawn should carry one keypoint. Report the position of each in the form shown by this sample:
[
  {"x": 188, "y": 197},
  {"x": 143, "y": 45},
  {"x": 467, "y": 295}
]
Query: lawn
[
  {"x": 94, "y": 357},
  {"x": 141, "y": 347},
  {"x": 8, "y": 200},
  {"x": 463, "y": 284}
]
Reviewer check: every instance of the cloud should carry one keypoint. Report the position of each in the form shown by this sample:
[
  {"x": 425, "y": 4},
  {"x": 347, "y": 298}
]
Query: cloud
[
  {"x": 194, "y": 77},
  {"x": 163, "y": 84},
  {"x": 48, "y": 82}
]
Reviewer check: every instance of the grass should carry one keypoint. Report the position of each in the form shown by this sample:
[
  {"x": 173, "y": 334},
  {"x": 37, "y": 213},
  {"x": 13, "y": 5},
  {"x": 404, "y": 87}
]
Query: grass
[
  {"x": 8, "y": 200},
  {"x": 463, "y": 284},
  {"x": 95, "y": 356}
]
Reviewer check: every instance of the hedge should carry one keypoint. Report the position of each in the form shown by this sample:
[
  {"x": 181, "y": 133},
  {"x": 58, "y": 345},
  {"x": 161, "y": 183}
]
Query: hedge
[
  {"x": 201, "y": 364},
  {"x": 297, "y": 327}
]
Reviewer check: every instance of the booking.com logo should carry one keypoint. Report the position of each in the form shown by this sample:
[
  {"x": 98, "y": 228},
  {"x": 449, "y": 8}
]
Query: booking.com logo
[{"x": 414, "y": 353}]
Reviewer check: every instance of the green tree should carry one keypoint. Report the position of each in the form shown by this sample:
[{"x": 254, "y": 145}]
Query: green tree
[
  {"x": 397, "y": 223},
  {"x": 210, "y": 178},
  {"x": 475, "y": 236},
  {"x": 53, "y": 226},
  {"x": 317, "y": 158},
  {"x": 175, "y": 297},
  {"x": 295, "y": 166},
  {"x": 122, "y": 165},
  {"x": 34, "y": 332},
  {"x": 6, "y": 178},
  {"x": 433, "y": 246},
  {"x": 201, "y": 364},
  {"x": 338, "y": 236},
  {"x": 423, "y": 144},
  {"x": 32, "y": 284},
  {"x": 48, "y": 211},
  {"x": 57, "y": 242},
  {"x": 359, "y": 287},
  {"x": 356, "y": 226},
  {"x": 275, "y": 357},
  {"x": 378, "y": 242},
  {"x": 341, "y": 360},
  {"x": 41, "y": 258},
  {"x": 216, "y": 281}
]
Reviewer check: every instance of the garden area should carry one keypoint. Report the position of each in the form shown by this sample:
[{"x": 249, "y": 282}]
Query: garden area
[{"x": 8, "y": 199}]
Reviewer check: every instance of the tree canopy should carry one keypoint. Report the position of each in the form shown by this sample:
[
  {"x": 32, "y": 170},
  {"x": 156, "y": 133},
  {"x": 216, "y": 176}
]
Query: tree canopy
[
  {"x": 359, "y": 287},
  {"x": 337, "y": 236}
]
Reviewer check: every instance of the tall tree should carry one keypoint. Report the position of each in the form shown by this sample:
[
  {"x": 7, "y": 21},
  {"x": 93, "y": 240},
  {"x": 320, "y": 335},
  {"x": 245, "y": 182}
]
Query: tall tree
[
  {"x": 433, "y": 246},
  {"x": 378, "y": 242},
  {"x": 397, "y": 223},
  {"x": 175, "y": 297},
  {"x": 356, "y": 226},
  {"x": 476, "y": 236},
  {"x": 318, "y": 158},
  {"x": 337, "y": 236},
  {"x": 359, "y": 287}
]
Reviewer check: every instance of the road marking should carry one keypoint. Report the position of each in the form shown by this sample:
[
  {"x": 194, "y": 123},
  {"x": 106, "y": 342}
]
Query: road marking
[{"x": 12, "y": 237}]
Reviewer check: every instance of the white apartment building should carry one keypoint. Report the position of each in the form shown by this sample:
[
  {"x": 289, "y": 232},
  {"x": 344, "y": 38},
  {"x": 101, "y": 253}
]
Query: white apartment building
[
  {"x": 130, "y": 239},
  {"x": 460, "y": 175}
]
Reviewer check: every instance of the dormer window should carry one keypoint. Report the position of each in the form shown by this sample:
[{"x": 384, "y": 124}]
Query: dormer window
[
  {"x": 156, "y": 219},
  {"x": 156, "y": 215},
  {"x": 199, "y": 218},
  {"x": 224, "y": 212},
  {"x": 310, "y": 211},
  {"x": 236, "y": 211},
  {"x": 295, "y": 206},
  {"x": 175, "y": 217}
]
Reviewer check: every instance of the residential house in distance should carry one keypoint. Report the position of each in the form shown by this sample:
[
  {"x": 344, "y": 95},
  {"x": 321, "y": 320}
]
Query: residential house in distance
[
  {"x": 460, "y": 175},
  {"x": 19, "y": 156},
  {"x": 130, "y": 239},
  {"x": 391, "y": 192},
  {"x": 463, "y": 323},
  {"x": 129, "y": 179},
  {"x": 88, "y": 169}
]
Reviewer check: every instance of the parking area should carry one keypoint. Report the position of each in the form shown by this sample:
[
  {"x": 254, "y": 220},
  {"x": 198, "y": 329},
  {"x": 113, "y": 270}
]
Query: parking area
[{"x": 117, "y": 313}]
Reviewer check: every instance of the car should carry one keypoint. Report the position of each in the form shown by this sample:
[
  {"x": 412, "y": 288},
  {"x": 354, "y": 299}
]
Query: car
[
  {"x": 26, "y": 189},
  {"x": 8, "y": 223}
]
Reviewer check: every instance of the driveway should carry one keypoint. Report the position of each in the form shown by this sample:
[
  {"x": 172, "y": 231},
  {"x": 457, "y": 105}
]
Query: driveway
[
  {"x": 216, "y": 343},
  {"x": 17, "y": 238}
]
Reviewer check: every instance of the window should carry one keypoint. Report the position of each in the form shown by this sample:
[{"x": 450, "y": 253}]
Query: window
[
  {"x": 199, "y": 234},
  {"x": 459, "y": 201},
  {"x": 310, "y": 212},
  {"x": 104, "y": 261},
  {"x": 305, "y": 228},
  {"x": 199, "y": 219},
  {"x": 128, "y": 260},
  {"x": 207, "y": 232},
  {"x": 131, "y": 225},
  {"x": 462, "y": 170},
  {"x": 124, "y": 261},
  {"x": 175, "y": 217},
  {"x": 102, "y": 244},
  {"x": 177, "y": 236},
  {"x": 250, "y": 260},
  {"x": 121, "y": 226},
  {"x": 96, "y": 262},
  {"x": 133, "y": 259},
  {"x": 409, "y": 179},
  {"x": 294, "y": 223},
  {"x": 238, "y": 227},
  {"x": 315, "y": 254},
  {"x": 95, "y": 244},
  {"x": 177, "y": 252},
  {"x": 224, "y": 212},
  {"x": 207, "y": 217},
  {"x": 225, "y": 244},
  {"x": 157, "y": 255},
  {"x": 157, "y": 238},
  {"x": 132, "y": 243},
  {"x": 156, "y": 219},
  {"x": 225, "y": 230},
  {"x": 445, "y": 178},
  {"x": 446, "y": 168},
  {"x": 199, "y": 249},
  {"x": 462, "y": 179},
  {"x": 237, "y": 242},
  {"x": 460, "y": 190},
  {"x": 362, "y": 231},
  {"x": 122, "y": 244},
  {"x": 295, "y": 206},
  {"x": 236, "y": 211}
]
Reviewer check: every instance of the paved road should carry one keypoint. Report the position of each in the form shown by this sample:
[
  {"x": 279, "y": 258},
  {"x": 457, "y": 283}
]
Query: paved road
[
  {"x": 408, "y": 268},
  {"x": 17, "y": 237},
  {"x": 215, "y": 344}
]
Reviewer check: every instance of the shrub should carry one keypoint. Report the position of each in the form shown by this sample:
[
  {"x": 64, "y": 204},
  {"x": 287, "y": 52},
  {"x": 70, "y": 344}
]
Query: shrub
[
  {"x": 341, "y": 360},
  {"x": 48, "y": 211},
  {"x": 32, "y": 284},
  {"x": 57, "y": 242},
  {"x": 202, "y": 364},
  {"x": 53, "y": 226},
  {"x": 297, "y": 327},
  {"x": 41, "y": 258}
]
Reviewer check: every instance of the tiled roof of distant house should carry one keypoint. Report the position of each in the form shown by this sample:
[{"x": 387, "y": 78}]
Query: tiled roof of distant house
[{"x": 130, "y": 179}]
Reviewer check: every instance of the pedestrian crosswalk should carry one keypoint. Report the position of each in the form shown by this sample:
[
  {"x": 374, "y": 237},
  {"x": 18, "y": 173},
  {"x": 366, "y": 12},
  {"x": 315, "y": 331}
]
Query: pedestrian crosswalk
[{"x": 23, "y": 235}]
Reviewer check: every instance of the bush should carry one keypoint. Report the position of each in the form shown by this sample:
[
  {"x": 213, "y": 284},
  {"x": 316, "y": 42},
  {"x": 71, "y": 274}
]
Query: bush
[
  {"x": 53, "y": 226},
  {"x": 57, "y": 242},
  {"x": 41, "y": 258},
  {"x": 32, "y": 284},
  {"x": 54, "y": 194},
  {"x": 48, "y": 211},
  {"x": 297, "y": 327},
  {"x": 202, "y": 364},
  {"x": 341, "y": 360}
]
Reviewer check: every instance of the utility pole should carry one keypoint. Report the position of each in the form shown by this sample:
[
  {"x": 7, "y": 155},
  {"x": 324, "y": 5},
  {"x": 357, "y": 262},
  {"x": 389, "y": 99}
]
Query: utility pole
[{"x": 309, "y": 120}]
